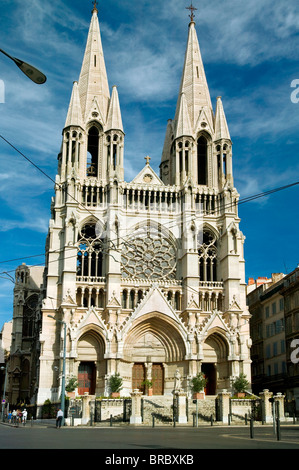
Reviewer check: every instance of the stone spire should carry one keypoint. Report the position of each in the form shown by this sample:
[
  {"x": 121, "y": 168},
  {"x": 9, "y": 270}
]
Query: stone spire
[
  {"x": 221, "y": 127},
  {"x": 114, "y": 120},
  {"x": 194, "y": 83},
  {"x": 93, "y": 81},
  {"x": 74, "y": 115},
  {"x": 183, "y": 124}
]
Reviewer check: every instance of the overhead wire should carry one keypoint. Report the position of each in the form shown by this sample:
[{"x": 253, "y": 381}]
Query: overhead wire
[{"x": 125, "y": 241}]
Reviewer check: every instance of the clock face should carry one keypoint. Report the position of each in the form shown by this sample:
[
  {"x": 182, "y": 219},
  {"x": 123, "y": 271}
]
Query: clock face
[{"x": 149, "y": 255}]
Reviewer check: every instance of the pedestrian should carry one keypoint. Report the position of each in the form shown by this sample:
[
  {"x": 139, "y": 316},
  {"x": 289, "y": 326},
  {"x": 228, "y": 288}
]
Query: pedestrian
[
  {"x": 14, "y": 417},
  {"x": 24, "y": 416},
  {"x": 9, "y": 417},
  {"x": 59, "y": 418},
  {"x": 19, "y": 416}
]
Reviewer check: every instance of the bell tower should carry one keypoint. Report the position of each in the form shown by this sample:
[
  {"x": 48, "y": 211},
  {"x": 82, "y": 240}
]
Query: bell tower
[
  {"x": 197, "y": 145},
  {"x": 93, "y": 135}
]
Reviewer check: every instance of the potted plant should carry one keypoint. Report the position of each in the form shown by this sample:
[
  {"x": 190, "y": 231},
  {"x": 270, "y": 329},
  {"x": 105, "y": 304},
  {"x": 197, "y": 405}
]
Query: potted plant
[
  {"x": 240, "y": 385},
  {"x": 115, "y": 383},
  {"x": 198, "y": 384},
  {"x": 71, "y": 387},
  {"x": 148, "y": 386}
]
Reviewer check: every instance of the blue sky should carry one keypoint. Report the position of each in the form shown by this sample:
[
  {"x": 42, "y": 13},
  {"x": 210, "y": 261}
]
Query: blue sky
[{"x": 251, "y": 55}]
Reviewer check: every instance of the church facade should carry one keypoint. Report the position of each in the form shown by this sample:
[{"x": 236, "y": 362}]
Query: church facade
[{"x": 144, "y": 278}]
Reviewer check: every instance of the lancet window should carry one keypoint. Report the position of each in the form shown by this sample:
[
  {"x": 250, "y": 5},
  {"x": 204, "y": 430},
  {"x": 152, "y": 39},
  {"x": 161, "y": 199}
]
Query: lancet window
[
  {"x": 207, "y": 252},
  {"x": 29, "y": 316},
  {"x": 202, "y": 160},
  {"x": 90, "y": 252},
  {"x": 92, "y": 151}
]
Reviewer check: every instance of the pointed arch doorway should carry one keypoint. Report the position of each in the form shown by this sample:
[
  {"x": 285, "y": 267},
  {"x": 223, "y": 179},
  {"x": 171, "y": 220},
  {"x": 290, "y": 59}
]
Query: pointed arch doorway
[
  {"x": 91, "y": 363},
  {"x": 215, "y": 365},
  {"x": 153, "y": 342}
]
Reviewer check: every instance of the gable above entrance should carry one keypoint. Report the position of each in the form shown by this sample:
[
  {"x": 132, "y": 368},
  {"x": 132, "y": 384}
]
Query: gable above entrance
[
  {"x": 148, "y": 176},
  {"x": 156, "y": 303}
]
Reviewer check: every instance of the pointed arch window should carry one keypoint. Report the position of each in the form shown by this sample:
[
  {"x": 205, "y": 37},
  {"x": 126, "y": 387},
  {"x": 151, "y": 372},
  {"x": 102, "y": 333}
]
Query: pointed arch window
[
  {"x": 202, "y": 160},
  {"x": 207, "y": 252},
  {"x": 29, "y": 316},
  {"x": 90, "y": 253}
]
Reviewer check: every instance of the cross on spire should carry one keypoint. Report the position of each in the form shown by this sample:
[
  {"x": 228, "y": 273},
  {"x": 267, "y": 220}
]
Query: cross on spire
[
  {"x": 147, "y": 159},
  {"x": 95, "y": 6},
  {"x": 192, "y": 9}
]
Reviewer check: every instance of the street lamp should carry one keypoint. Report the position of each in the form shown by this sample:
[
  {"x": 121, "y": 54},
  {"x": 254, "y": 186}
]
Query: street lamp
[
  {"x": 63, "y": 368},
  {"x": 4, "y": 392},
  {"x": 31, "y": 72}
]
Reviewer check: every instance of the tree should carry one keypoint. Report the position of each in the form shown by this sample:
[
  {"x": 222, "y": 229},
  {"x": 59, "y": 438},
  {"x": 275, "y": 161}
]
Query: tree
[
  {"x": 115, "y": 383},
  {"x": 198, "y": 383},
  {"x": 72, "y": 384},
  {"x": 241, "y": 383}
]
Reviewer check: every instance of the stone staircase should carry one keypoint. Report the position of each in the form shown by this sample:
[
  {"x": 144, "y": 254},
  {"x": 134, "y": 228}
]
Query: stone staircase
[
  {"x": 161, "y": 407},
  {"x": 205, "y": 408}
]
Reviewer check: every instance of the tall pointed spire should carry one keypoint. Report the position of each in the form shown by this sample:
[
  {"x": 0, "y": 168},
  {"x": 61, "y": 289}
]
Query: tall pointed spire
[
  {"x": 74, "y": 115},
  {"x": 114, "y": 120},
  {"x": 194, "y": 83},
  {"x": 183, "y": 124},
  {"x": 93, "y": 81},
  {"x": 221, "y": 127}
]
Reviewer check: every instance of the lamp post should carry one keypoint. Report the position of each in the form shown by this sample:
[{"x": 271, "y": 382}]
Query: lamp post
[
  {"x": 63, "y": 368},
  {"x": 4, "y": 392},
  {"x": 31, "y": 72}
]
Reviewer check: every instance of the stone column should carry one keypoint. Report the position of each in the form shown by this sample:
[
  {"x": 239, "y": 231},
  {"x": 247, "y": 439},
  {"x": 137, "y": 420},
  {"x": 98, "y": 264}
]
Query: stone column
[
  {"x": 266, "y": 405},
  {"x": 224, "y": 408},
  {"x": 181, "y": 401},
  {"x": 135, "y": 417},
  {"x": 280, "y": 399},
  {"x": 86, "y": 407}
]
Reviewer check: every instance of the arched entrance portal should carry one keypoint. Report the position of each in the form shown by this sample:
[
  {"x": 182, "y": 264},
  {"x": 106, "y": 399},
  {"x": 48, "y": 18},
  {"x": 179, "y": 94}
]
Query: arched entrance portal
[
  {"x": 152, "y": 344},
  {"x": 215, "y": 365},
  {"x": 91, "y": 368}
]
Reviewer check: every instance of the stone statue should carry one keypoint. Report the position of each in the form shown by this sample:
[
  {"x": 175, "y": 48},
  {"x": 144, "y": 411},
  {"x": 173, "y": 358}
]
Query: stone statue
[{"x": 177, "y": 380}]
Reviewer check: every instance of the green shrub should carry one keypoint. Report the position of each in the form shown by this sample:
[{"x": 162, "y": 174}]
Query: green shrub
[
  {"x": 115, "y": 383},
  {"x": 241, "y": 383},
  {"x": 198, "y": 383}
]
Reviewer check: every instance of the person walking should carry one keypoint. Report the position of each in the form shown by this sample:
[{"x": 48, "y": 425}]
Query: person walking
[{"x": 59, "y": 418}]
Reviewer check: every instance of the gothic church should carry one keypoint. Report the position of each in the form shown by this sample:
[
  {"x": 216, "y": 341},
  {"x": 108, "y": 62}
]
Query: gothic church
[{"x": 147, "y": 276}]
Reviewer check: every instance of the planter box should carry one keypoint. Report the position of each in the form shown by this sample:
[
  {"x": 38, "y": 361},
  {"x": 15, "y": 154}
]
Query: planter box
[
  {"x": 199, "y": 396},
  {"x": 150, "y": 392},
  {"x": 241, "y": 394},
  {"x": 115, "y": 395}
]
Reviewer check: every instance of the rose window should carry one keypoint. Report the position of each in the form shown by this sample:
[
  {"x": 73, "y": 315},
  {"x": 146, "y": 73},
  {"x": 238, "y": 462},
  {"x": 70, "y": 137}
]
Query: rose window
[{"x": 149, "y": 255}]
